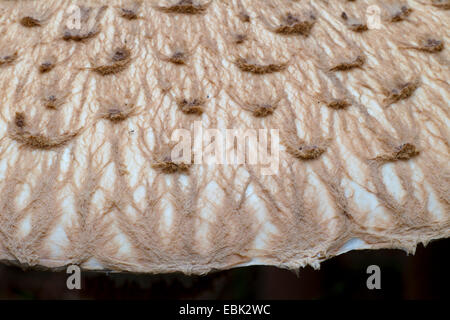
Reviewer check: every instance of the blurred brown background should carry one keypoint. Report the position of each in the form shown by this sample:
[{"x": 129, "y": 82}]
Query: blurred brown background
[{"x": 426, "y": 275}]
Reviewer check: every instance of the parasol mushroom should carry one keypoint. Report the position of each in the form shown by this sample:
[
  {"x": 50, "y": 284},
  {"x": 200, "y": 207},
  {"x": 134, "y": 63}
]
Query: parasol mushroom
[{"x": 360, "y": 111}]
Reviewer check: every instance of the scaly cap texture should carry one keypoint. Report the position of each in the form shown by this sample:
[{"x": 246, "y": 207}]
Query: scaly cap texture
[{"x": 92, "y": 91}]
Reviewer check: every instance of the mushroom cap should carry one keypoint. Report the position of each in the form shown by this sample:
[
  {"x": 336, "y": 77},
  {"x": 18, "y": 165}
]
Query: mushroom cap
[{"x": 343, "y": 132}]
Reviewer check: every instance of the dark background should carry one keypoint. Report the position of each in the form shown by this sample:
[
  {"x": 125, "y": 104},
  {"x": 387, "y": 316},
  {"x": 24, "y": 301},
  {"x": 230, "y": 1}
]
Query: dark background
[{"x": 425, "y": 275}]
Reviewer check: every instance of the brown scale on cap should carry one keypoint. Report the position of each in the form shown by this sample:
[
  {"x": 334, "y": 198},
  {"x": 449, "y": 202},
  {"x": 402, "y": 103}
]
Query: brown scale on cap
[
  {"x": 244, "y": 16},
  {"x": 263, "y": 110},
  {"x": 178, "y": 57},
  {"x": 78, "y": 36},
  {"x": 128, "y": 14},
  {"x": 405, "y": 151},
  {"x": 47, "y": 65},
  {"x": 121, "y": 58},
  {"x": 117, "y": 114},
  {"x": 239, "y": 38},
  {"x": 30, "y": 22},
  {"x": 431, "y": 45},
  {"x": 167, "y": 165},
  {"x": 306, "y": 152},
  {"x": 354, "y": 24},
  {"x": 358, "y": 62},
  {"x": 36, "y": 140},
  {"x": 40, "y": 141},
  {"x": 51, "y": 101},
  {"x": 441, "y": 4},
  {"x": 401, "y": 14},
  {"x": 121, "y": 54},
  {"x": 19, "y": 120},
  {"x": 115, "y": 110},
  {"x": 426, "y": 44},
  {"x": 8, "y": 59},
  {"x": 337, "y": 104},
  {"x": 401, "y": 92},
  {"x": 358, "y": 26},
  {"x": 247, "y": 66}
]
